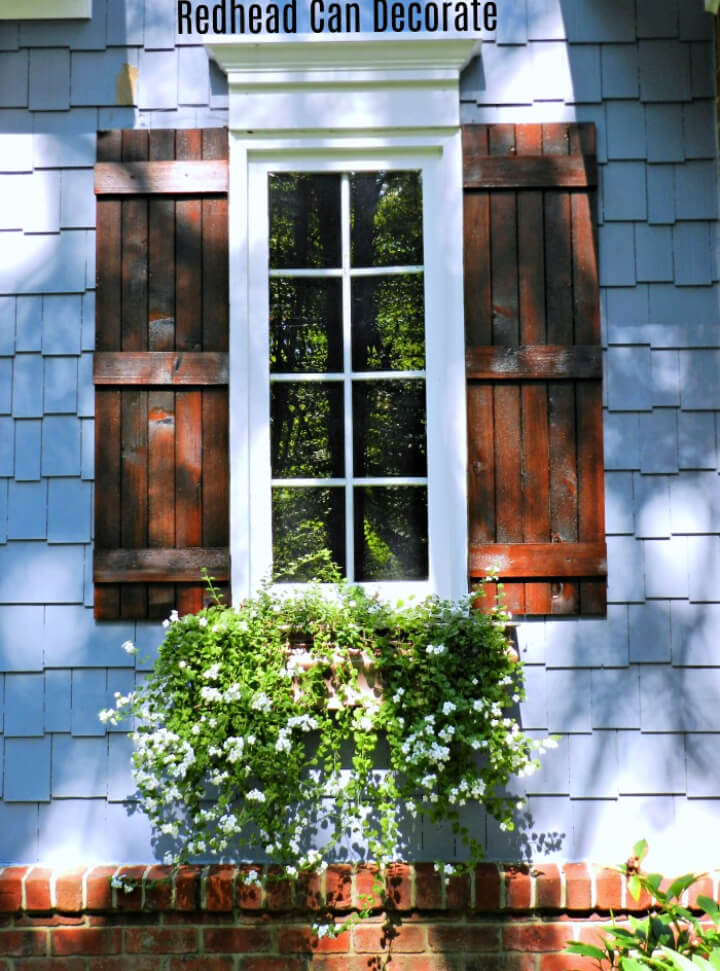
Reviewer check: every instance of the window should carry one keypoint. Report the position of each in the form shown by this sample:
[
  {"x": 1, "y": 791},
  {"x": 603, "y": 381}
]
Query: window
[{"x": 270, "y": 394}]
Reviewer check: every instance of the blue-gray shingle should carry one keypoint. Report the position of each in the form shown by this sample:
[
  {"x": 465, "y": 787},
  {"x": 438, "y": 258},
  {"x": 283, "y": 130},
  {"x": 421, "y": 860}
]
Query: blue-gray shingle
[
  {"x": 658, "y": 441},
  {"x": 626, "y": 305},
  {"x": 615, "y": 698},
  {"x": 698, "y": 117},
  {"x": 665, "y": 377},
  {"x": 3, "y": 504},
  {"x": 533, "y": 711},
  {"x": 28, "y": 324},
  {"x": 595, "y": 643},
  {"x": 79, "y": 766},
  {"x": 77, "y": 829},
  {"x": 61, "y": 385},
  {"x": 619, "y": 502},
  {"x": 21, "y": 638},
  {"x": 18, "y": 833},
  {"x": 158, "y": 80},
  {"x": 43, "y": 262},
  {"x": 625, "y": 570},
  {"x": 27, "y": 386},
  {"x": 665, "y": 132},
  {"x": 700, "y": 379},
  {"x": 14, "y": 80},
  {"x": 664, "y": 71},
  {"x": 703, "y": 778},
  {"x": 27, "y": 510},
  {"x": 621, "y": 440},
  {"x": 625, "y": 130},
  {"x": 703, "y": 567},
  {"x": 24, "y": 699},
  {"x": 120, "y": 680},
  {"x": 121, "y": 784},
  {"x": 545, "y": 20},
  {"x": 553, "y": 776},
  {"x": 594, "y": 765},
  {"x": 661, "y": 194},
  {"x": 77, "y": 641},
  {"x": 69, "y": 511},
  {"x": 61, "y": 322},
  {"x": 7, "y": 325},
  {"x": 620, "y": 71},
  {"x": 88, "y": 321},
  {"x": 86, "y": 35},
  {"x": 624, "y": 192},
  {"x": 587, "y": 21},
  {"x": 16, "y": 140},
  {"x": 61, "y": 445},
  {"x": 695, "y": 196},
  {"x": 6, "y": 370},
  {"x": 657, "y": 18},
  {"x": 696, "y": 440},
  {"x": 693, "y": 254},
  {"x": 31, "y": 572},
  {"x": 77, "y": 199},
  {"x": 89, "y": 696},
  {"x": 584, "y": 83},
  {"x": 702, "y": 70},
  {"x": 86, "y": 396},
  {"x": 679, "y": 699},
  {"x": 695, "y": 22},
  {"x": 653, "y": 253},
  {"x": 568, "y": 695},
  {"x": 666, "y": 567},
  {"x": 160, "y": 24},
  {"x": 628, "y": 378},
  {"x": 652, "y": 506},
  {"x": 98, "y": 78},
  {"x": 193, "y": 76},
  {"x": 27, "y": 449},
  {"x": 650, "y": 632},
  {"x": 49, "y": 80},
  {"x": 512, "y": 28},
  {"x": 695, "y": 501},
  {"x": 617, "y": 254},
  {"x": 87, "y": 446},
  {"x": 65, "y": 140},
  {"x": 125, "y": 22}
]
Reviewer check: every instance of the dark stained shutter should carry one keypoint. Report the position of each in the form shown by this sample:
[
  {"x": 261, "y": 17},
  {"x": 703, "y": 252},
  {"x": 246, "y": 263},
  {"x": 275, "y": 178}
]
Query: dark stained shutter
[
  {"x": 533, "y": 365},
  {"x": 161, "y": 371}
]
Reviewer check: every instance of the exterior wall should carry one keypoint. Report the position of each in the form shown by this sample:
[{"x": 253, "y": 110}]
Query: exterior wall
[{"x": 634, "y": 697}]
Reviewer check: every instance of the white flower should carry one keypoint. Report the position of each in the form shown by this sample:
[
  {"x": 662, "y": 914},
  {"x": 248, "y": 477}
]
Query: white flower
[
  {"x": 251, "y": 877},
  {"x": 262, "y": 702},
  {"x": 129, "y": 647},
  {"x": 174, "y": 616},
  {"x": 256, "y": 796},
  {"x": 202, "y": 621},
  {"x": 166, "y": 623},
  {"x": 448, "y": 708},
  {"x": 182, "y": 665},
  {"x": 212, "y": 672},
  {"x": 117, "y": 883},
  {"x": 322, "y": 930}
]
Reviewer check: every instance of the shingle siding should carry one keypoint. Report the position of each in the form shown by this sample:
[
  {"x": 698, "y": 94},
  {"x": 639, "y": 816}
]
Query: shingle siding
[{"x": 634, "y": 697}]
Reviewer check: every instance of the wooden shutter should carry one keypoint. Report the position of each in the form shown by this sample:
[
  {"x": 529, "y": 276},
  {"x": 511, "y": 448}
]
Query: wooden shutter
[
  {"x": 161, "y": 371},
  {"x": 533, "y": 365}
]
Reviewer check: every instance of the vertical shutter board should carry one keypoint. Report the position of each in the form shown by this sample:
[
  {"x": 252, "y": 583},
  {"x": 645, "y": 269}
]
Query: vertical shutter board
[
  {"x": 477, "y": 283},
  {"x": 481, "y": 463},
  {"x": 188, "y": 486},
  {"x": 107, "y": 498},
  {"x": 591, "y": 486}
]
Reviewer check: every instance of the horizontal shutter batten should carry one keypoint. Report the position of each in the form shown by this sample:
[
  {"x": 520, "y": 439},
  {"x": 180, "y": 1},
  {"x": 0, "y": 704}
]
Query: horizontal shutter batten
[
  {"x": 545, "y": 560},
  {"x": 168, "y": 565},
  {"x": 161, "y": 368},
  {"x": 529, "y": 172},
  {"x": 548, "y": 362},
  {"x": 157, "y": 178}
]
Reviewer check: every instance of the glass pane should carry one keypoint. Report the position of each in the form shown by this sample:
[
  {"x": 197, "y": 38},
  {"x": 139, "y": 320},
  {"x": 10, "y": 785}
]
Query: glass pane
[
  {"x": 391, "y": 533},
  {"x": 304, "y": 220},
  {"x": 305, "y": 523},
  {"x": 388, "y": 323},
  {"x": 305, "y": 325},
  {"x": 306, "y": 430},
  {"x": 386, "y": 219},
  {"x": 389, "y": 428}
]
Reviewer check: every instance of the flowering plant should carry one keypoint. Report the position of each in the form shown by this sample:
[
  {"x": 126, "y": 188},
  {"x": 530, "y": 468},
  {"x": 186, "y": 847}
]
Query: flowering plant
[{"x": 258, "y": 728}]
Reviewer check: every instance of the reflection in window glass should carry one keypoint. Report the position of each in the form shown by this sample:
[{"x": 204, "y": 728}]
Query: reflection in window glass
[
  {"x": 389, "y": 428},
  {"x": 391, "y": 533},
  {"x": 306, "y": 440},
  {"x": 305, "y": 523},
  {"x": 386, "y": 219},
  {"x": 305, "y": 325},
  {"x": 304, "y": 220},
  {"x": 388, "y": 323}
]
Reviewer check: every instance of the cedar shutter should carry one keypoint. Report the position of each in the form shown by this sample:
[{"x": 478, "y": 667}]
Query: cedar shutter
[
  {"x": 161, "y": 371},
  {"x": 533, "y": 366}
]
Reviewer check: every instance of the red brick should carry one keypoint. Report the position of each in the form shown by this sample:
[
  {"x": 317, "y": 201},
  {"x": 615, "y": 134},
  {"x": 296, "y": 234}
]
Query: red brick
[
  {"x": 128, "y": 962},
  {"x": 701, "y": 888},
  {"x": 219, "y": 887},
  {"x": 49, "y": 920},
  {"x": 577, "y": 886},
  {"x": 548, "y": 887},
  {"x": 487, "y": 886},
  {"x": 204, "y": 963},
  {"x": 161, "y": 940},
  {"x": 338, "y": 887},
  {"x": 187, "y": 888},
  {"x": 86, "y": 940},
  {"x": 501, "y": 962},
  {"x": 536, "y": 937},
  {"x": 403, "y": 938},
  {"x": 339, "y": 963},
  {"x": 11, "y": 888},
  {"x": 271, "y": 964},
  {"x": 592, "y": 933},
  {"x": 69, "y": 890},
  {"x": 51, "y": 964},
  {"x": 99, "y": 891},
  {"x": 518, "y": 888},
  {"x": 428, "y": 887},
  {"x": 398, "y": 886},
  {"x": 249, "y": 895},
  {"x": 22, "y": 943},
  {"x": 608, "y": 888},
  {"x": 236, "y": 940},
  {"x": 129, "y": 897},
  {"x": 301, "y": 940},
  {"x": 279, "y": 890},
  {"x": 458, "y": 892},
  {"x": 37, "y": 889},
  {"x": 309, "y": 891},
  {"x": 566, "y": 962},
  {"x": 469, "y": 938},
  {"x": 158, "y": 888},
  {"x": 367, "y": 895},
  {"x": 415, "y": 962}
]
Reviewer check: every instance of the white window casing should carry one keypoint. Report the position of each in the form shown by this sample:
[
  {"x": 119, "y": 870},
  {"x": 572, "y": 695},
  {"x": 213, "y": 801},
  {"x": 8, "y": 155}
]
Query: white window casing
[{"x": 341, "y": 103}]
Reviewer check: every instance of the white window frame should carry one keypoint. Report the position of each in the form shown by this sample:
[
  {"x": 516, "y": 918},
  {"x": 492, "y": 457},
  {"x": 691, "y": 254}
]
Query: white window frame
[{"x": 341, "y": 103}]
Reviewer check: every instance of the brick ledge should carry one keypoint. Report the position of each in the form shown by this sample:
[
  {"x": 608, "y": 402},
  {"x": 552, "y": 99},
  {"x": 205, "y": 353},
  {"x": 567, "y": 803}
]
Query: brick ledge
[{"x": 493, "y": 888}]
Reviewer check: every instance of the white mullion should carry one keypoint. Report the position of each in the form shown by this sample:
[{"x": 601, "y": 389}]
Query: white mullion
[
  {"x": 308, "y": 483},
  {"x": 370, "y": 480},
  {"x": 347, "y": 371},
  {"x": 319, "y": 273},
  {"x": 386, "y": 375},
  {"x": 289, "y": 376},
  {"x": 386, "y": 270}
]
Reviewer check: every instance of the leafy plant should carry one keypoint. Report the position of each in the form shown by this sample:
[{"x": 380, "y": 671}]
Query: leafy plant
[
  {"x": 259, "y": 728},
  {"x": 670, "y": 938}
]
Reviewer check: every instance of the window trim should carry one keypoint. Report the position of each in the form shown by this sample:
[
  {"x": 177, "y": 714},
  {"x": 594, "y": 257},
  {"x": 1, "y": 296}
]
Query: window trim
[{"x": 335, "y": 103}]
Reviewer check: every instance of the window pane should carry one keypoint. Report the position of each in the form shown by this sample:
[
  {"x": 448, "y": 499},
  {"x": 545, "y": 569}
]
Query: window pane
[
  {"x": 304, "y": 220},
  {"x": 305, "y": 325},
  {"x": 306, "y": 430},
  {"x": 391, "y": 533},
  {"x": 306, "y": 522},
  {"x": 388, "y": 315},
  {"x": 389, "y": 428},
  {"x": 386, "y": 219}
]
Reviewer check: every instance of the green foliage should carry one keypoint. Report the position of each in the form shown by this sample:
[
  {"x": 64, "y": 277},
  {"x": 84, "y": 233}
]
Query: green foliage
[
  {"x": 669, "y": 938},
  {"x": 255, "y": 728}
]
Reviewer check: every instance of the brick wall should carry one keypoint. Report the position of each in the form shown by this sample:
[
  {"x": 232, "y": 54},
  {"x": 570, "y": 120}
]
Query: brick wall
[{"x": 497, "y": 919}]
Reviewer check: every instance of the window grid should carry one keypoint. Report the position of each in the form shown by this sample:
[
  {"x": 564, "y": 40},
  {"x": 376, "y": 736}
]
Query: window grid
[{"x": 345, "y": 272}]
